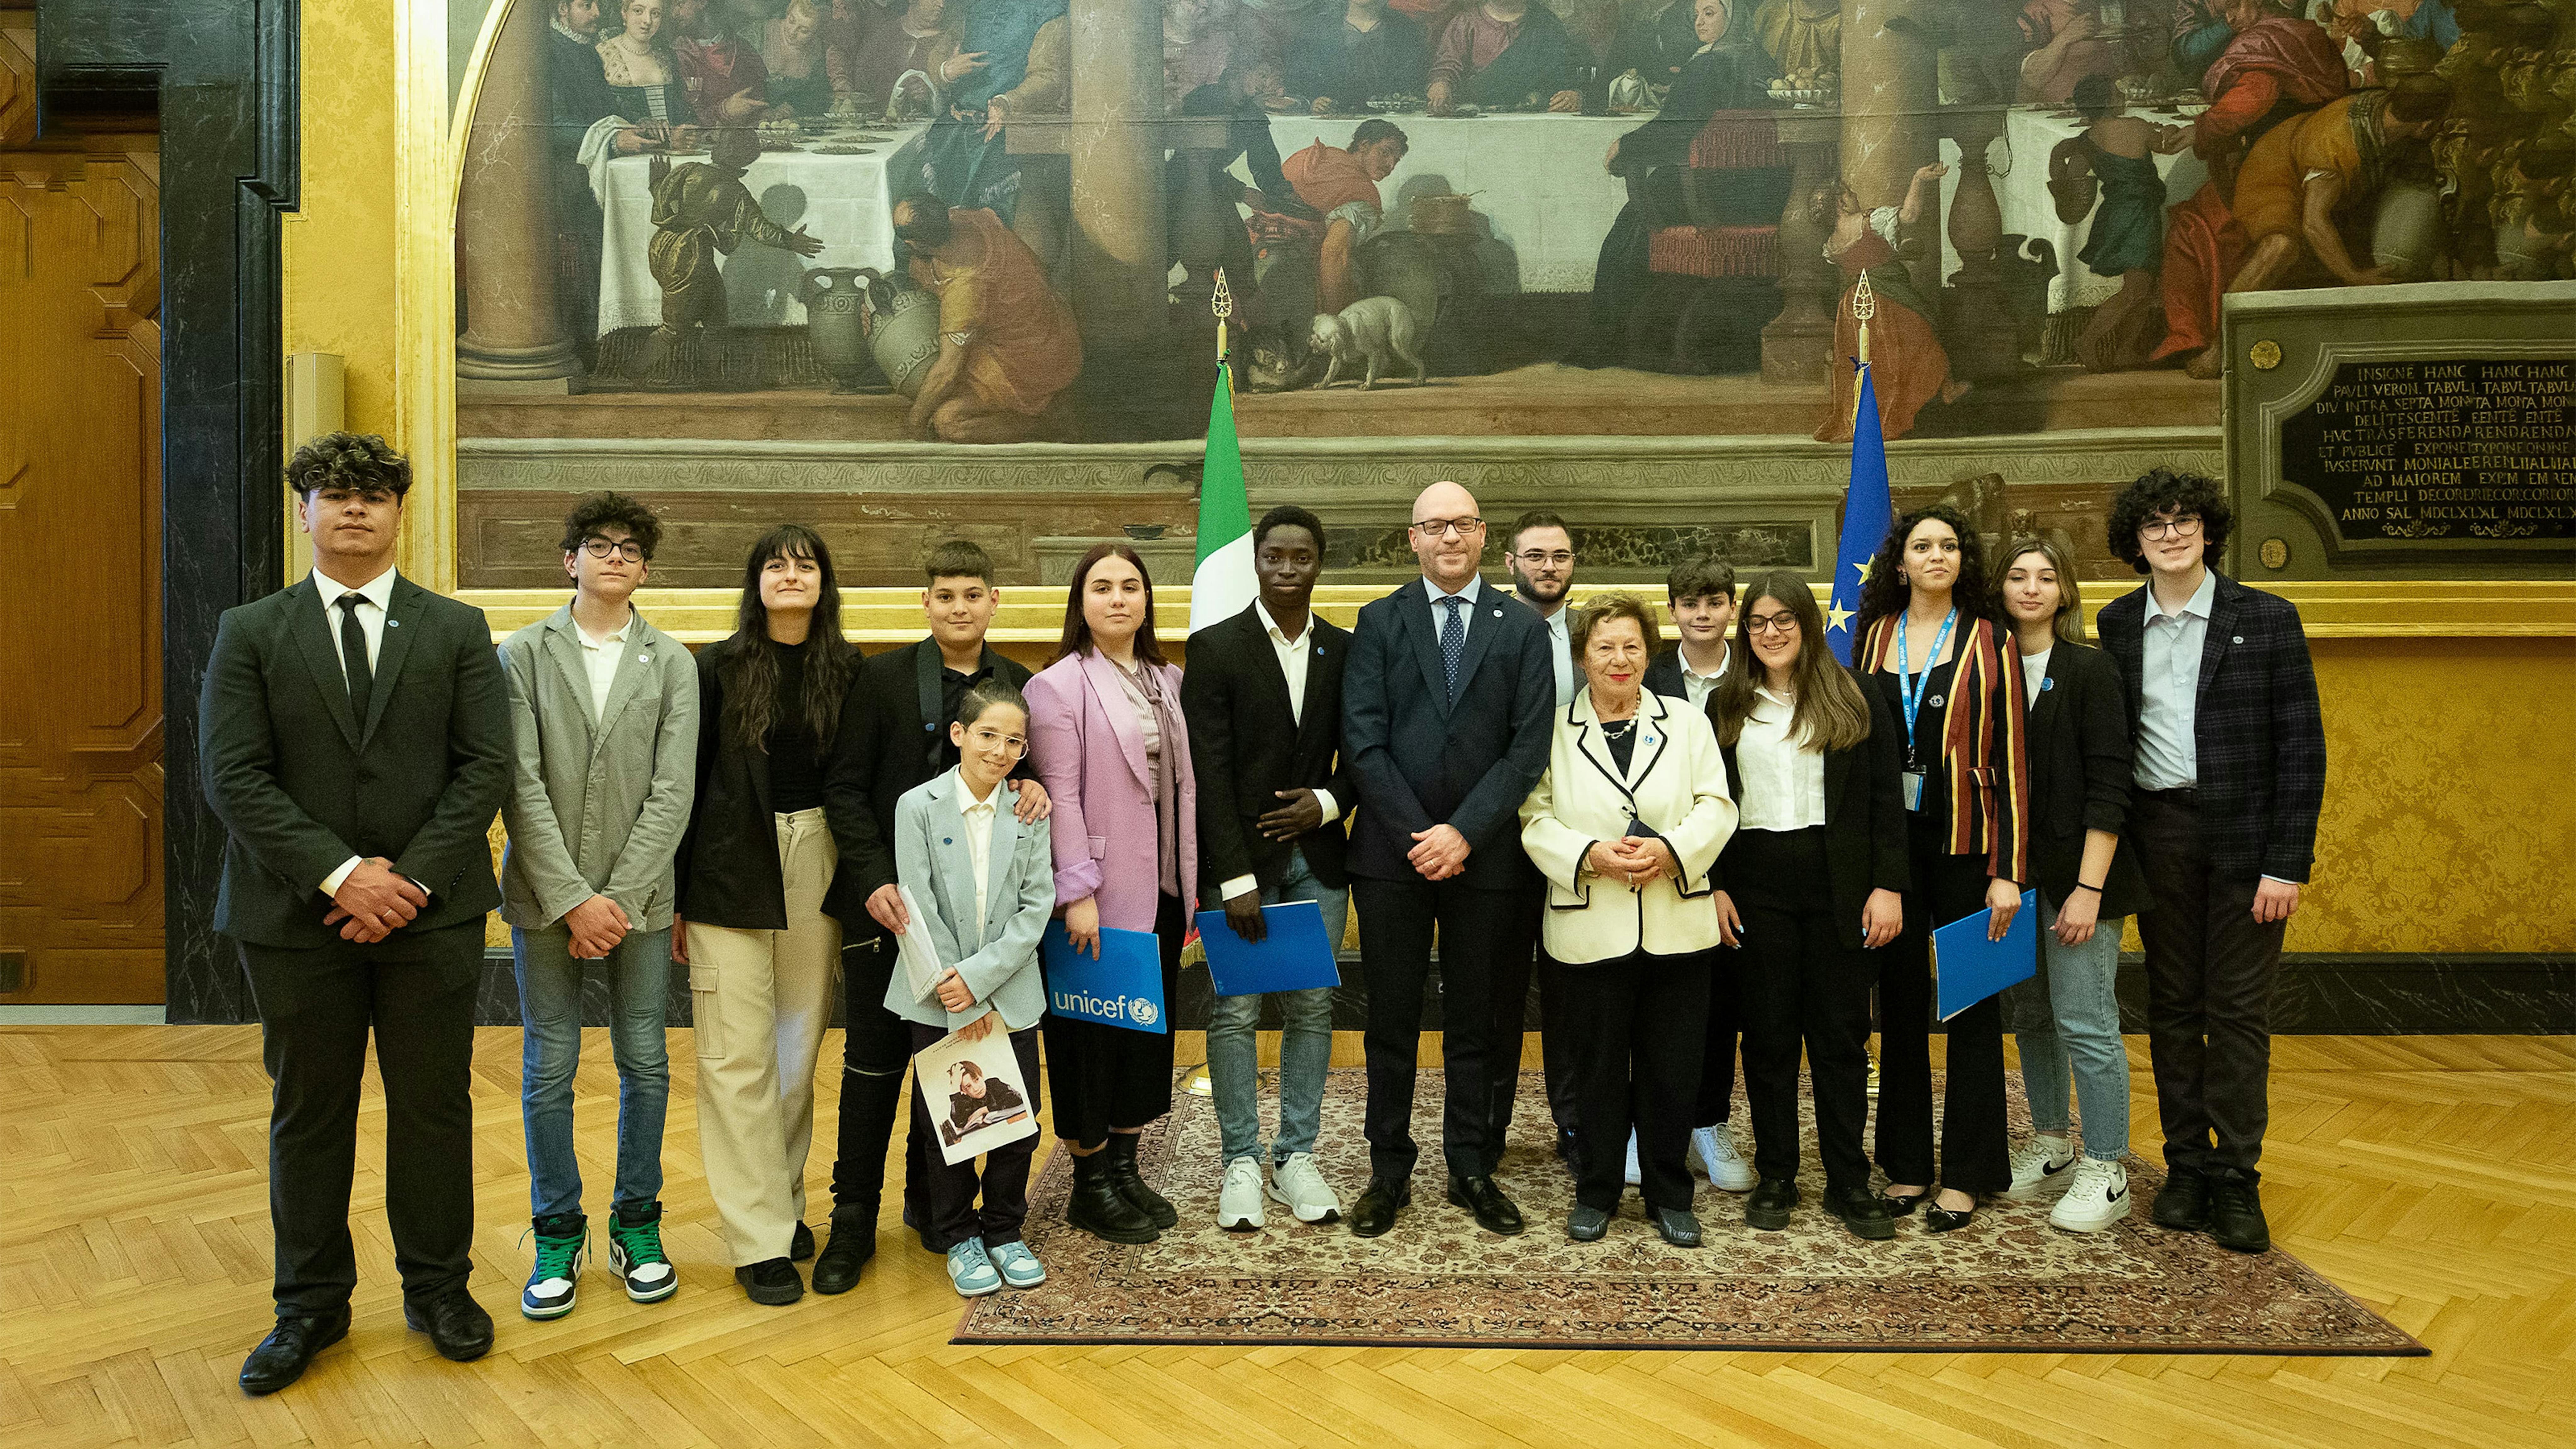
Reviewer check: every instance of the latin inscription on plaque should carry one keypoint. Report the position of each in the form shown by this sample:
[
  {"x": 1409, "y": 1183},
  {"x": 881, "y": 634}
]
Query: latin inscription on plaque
[{"x": 2469, "y": 449}]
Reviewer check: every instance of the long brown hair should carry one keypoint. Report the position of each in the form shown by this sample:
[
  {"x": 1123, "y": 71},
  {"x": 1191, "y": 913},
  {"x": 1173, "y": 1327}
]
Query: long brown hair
[
  {"x": 749, "y": 664},
  {"x": 2069, "y": 623},
  {"x": 1830, "y": 712},
  {"x": 1077, "y": 629}
]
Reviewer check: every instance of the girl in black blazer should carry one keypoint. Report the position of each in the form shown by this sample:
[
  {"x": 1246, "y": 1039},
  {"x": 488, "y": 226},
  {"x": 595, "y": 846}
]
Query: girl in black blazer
[
  {"x": 1810, "y": 883},
  {"x": 2068, "y": 1016}
]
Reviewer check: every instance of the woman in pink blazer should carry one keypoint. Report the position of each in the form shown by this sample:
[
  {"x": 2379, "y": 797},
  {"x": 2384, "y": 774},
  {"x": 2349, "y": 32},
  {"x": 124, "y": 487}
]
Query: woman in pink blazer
[{"x": 1107, "y": 740}]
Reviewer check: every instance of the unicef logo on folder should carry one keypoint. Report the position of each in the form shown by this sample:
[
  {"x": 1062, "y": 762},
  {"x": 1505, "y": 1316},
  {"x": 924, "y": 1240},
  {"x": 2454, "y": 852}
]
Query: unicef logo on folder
[{"x": 1123, "y": 988}]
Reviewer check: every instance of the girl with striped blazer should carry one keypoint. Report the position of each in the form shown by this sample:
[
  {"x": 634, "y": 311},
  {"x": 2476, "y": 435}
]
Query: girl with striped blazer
[{"x": 1931, "y": 643}]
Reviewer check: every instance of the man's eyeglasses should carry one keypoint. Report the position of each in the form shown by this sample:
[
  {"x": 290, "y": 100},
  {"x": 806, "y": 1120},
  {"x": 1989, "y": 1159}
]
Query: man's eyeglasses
[
  {"x": 1539, "y": 559},
  {"x": 988, "y": 740},
  {"x": 1760, "y": 624},
  {"x": 2187, "y": 526},
  {"x": 1445, "y": 527},
  {"x": 627, "y": 549}
]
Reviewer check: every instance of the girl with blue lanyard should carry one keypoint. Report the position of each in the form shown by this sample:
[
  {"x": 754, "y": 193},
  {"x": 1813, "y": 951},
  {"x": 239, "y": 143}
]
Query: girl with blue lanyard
[{"x": 1931, "y": 643}]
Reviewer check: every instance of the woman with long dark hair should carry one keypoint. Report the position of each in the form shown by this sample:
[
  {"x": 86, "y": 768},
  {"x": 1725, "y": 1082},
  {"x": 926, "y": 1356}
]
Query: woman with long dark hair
[
  {"x": 1933, "y": 648},
  {"x": 1812, "y": 882},
  {"x": 1108, "y": 742},
  {"x": 762, "y": 898}
]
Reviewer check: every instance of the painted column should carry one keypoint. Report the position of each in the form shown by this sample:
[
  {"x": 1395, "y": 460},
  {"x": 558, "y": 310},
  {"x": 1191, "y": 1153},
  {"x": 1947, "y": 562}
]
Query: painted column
[
  {"x": 513, "y": 328},
  {"x": 1118, "y": 262}
]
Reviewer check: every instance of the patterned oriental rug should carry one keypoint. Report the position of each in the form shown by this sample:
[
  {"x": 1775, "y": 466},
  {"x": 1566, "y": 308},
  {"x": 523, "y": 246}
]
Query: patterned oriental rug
[{"x": 2009, "y": 1283}]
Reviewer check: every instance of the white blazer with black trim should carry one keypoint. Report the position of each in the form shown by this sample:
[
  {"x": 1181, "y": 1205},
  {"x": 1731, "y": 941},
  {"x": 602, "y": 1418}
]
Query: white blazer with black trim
[{"x": 1675, "y": 785}]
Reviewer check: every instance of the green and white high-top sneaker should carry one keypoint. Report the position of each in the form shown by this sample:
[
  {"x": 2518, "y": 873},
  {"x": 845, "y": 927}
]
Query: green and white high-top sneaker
[
  {"x": 635, "y": 1253},
  {"x": 563, "y": 1245}
]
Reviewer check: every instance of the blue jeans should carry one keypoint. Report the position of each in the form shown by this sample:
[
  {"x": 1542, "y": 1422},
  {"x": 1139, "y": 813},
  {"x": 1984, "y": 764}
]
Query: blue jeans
[
  {"x": 2069, "y": 1016},
  {"x": 1305, "y": 1045},
  {"x": 639, "y": 975}
]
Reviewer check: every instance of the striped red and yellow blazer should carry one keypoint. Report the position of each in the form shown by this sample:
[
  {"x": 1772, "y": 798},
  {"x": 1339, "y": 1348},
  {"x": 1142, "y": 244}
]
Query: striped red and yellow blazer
[{"x": 1985, "y": 744}]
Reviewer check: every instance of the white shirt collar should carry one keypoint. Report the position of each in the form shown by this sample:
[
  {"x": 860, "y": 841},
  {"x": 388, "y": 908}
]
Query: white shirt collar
[
  {"x": 1725, "y": 656},
  {"x": 1278, "y": 635},
  {"x": 2202, "y": 599},
  {"x": 1769, "y": 706},
  {"x": 964, "y": 794},
  {"x": 609, "y": 640},
  {"x": 378, "y": 591},
  {"x": 568, "y": 33},
  {"x": 1471, "y": 592}
]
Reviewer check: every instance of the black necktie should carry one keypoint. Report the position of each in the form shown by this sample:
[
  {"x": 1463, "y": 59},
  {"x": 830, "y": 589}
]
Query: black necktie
[{"x": 353, "y": 656}]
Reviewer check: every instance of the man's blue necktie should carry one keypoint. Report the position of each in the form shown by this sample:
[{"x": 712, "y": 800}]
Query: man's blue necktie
[{"x": 1453, "y": 639}]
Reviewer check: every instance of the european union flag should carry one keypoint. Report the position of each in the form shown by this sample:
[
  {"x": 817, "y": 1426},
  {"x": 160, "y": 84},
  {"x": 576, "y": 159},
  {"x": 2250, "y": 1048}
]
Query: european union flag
[{"x": 1868, "y": 512}]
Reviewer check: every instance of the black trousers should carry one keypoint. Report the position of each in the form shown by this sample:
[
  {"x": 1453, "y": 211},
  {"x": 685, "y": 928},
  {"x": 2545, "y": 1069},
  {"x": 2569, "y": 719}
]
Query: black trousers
[
  {"x": 1725, "y": 1027},
  {"x": 2209, "y": 992},
  {"x": 1521, "y": 966},
  {"x": 1102, "y": 1077},
  {"x": 875, "y": 1050},
  {"x": 1641, "y": 1021},
  {"x": 1974, "y": 1156},
  {"x": 316, "y": 1007},
  {"x": 1802, "y": 983},
  {"x": 1476, "y": 929},
  {"x": 951, "y": 1188}
]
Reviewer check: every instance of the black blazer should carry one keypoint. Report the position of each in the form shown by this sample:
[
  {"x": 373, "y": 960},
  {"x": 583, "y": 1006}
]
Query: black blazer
[
  {"x": 2080, "y": 770},
  {"x": 1865, "y": 840},
  {"x": 1664, "y": 676},
  {"x": 1420, "y": 759},
  {"x": 900, "y": 725},
  {"x": 1245, "y": 743},
  {"x": 2256, "y": 727},
  {"x": 728, "y": 867},
  {"x": 301, "y": 784}
]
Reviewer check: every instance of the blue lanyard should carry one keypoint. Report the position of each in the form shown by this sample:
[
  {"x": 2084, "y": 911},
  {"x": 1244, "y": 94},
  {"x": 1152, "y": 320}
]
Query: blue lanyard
[{"x": 1909, "y": 685}]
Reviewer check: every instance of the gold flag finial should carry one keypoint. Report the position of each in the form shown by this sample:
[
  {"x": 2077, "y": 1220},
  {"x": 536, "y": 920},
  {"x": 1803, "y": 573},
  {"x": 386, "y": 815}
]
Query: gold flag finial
[
  {"x": 1221, "y": 302},
  {"x": 1864, "y": 305}
]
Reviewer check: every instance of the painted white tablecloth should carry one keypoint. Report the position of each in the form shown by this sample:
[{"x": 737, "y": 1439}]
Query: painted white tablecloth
[
  {"x": 1536, "y": 178},
  {"x": 2021, "y": 190},
  {"x": 845, "y": 201}
]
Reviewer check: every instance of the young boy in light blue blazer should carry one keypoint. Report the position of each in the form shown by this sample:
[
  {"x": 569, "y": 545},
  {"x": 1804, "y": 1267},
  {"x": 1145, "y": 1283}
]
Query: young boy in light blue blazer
[{"x": 984, "y": 885}]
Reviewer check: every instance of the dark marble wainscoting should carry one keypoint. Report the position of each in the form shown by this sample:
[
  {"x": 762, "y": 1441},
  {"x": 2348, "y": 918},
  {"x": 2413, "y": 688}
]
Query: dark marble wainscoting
[{"x": 2316, "y": 994}]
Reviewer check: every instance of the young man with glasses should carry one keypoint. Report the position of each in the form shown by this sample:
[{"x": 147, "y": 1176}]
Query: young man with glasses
[
  {"x": 2230, "y": 775},
  {"x": 604, "y": 710},
  {"x": 1540, "y": 556}
]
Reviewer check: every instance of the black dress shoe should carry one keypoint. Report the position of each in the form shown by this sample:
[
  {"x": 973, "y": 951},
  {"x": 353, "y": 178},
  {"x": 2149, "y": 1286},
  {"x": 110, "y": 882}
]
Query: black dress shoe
[
  {"x": 2182, "y": 1204},
  {"x": 1767, "y": 1210},
  {"x": 457, "y": 1325},
  {"x": 1677, "y": 1226},
  {"x": 1098, "y": 1208},
  {"x": 1587, "y": 1224},
  {"x": 1131, "y": 1184},
  {"x": 1478, "y": 1195},
  {"x": 1903, "y": 1204},
  {"x": 1863, "y": 1212},
  {"x": 2236, "y": 1213},
  {"x": 1375, "y": 1212},
  {"x": 1943, "y": 1220},
  {"x": 853, "y": 1242},
  {"x": 282, "y": 1357},
  {"x": 801, "y": 1246},
  {"x": 773, "y": 1281}
]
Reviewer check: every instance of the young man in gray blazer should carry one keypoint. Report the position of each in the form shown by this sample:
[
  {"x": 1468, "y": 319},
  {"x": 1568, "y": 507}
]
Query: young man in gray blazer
[
  {"x": 604, "y": 711},
  {"x": 356, "y": 739}
]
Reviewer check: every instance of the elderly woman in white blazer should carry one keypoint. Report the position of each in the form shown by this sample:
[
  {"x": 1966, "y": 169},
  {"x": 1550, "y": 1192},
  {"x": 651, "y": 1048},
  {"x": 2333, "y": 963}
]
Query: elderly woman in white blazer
[{"x": 1626, "y": 824}]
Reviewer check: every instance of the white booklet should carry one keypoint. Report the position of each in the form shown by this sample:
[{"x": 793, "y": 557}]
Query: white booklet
[{"x": 922, "y": 967}]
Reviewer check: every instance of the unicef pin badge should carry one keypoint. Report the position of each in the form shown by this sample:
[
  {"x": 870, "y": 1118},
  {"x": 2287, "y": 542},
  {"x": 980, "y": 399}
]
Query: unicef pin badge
[
  {"x": 927, "y": 726},
  {"x": 2239, "y": 639},
  {"x": 397, "y": 623},
  {"x": 1936, "y": 701},
  {"x": 1498, "y": 613},
  {"x": 2046, "y": 685}
]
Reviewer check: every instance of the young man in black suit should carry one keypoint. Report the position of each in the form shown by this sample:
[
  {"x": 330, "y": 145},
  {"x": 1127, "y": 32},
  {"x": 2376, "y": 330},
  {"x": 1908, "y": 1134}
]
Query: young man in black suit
[
  {"x": 357, "y": 744},
  {"x": 906, "y": 697},
  {"x": 1445, "y": 718},
  {"x": 2231, "y": 772},
  {"x": 1263, "y": 699}
]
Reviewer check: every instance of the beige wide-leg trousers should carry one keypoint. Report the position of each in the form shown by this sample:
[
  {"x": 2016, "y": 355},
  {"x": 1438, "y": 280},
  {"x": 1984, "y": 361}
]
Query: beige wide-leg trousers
[{"x": 762, "y": 1000}]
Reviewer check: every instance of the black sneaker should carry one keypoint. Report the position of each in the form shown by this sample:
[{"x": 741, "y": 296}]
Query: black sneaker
[
  {"x": 801, "y": 1246},
  {"x": 2182, "y": 1204},
  {"x": 2236, "y": 1213},
  {"x": 1767, "y": 1210},
  {"x": 773, "y": 1281},
  {"x": 1863, "y": 1212}
]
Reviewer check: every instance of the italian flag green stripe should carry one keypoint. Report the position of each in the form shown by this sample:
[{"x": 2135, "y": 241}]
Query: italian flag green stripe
[{"x": 1223, "y": 584}]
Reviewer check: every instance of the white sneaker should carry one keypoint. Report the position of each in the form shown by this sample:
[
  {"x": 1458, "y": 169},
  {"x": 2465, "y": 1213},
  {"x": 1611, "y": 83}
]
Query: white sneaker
[
  {"x": 2097, "y": 1198},
  {"x": 1636, "y": 1174},
  {"x": 2038, "y": 1163},
  {"x": 1297, "y": 1186},
  {"x": 1715, "y": 1148},
  {"x": 1238, "y": 1203}
]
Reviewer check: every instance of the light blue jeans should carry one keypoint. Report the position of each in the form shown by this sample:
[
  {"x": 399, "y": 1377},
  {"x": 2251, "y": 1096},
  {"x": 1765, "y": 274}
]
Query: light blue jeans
[
  {"x": 1305, "y": 1044},
  {"x": 2068, "y": 1017},
  {"x": 639, "y": 975}
]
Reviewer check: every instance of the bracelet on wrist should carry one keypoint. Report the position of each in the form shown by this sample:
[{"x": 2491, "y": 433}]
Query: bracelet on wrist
[{"x": 2088, "y": 886}]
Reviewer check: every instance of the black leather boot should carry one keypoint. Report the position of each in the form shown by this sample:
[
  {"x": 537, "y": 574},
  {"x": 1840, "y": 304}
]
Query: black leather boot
[
  {"x": 1098, "y": 1208},
  {"x": 1131, "y": 1185},
  {"x": 853, "y": 1242}
]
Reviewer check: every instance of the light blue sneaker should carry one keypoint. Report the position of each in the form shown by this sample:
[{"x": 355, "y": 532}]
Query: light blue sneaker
[
  {"x": 971, "y": 1270},
  {"x": 1020, "y": 1267}
]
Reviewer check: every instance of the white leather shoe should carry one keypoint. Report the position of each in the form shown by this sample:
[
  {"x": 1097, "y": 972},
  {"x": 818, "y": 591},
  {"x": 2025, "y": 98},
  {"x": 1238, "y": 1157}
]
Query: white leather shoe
[
  {"x": 2040, "y": 1162},
  {"x": 1727, "y": 1171}
]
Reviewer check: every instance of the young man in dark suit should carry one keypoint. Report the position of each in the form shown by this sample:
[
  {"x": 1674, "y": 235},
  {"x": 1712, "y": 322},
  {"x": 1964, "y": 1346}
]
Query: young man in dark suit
[
  {"x": 1445, "y": 720},
  {"x": 1263, "y": 699},
  {"x": 906, "y": 697},
  {"x": 357, "y": 745},
  {"x": 2231, "y": 772}
]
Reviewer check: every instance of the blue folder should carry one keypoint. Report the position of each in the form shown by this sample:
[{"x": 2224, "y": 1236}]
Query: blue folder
[
  {"x": 1970, "y": 968},
  {"x": 1293, "y": 956},
  {"x": 1123, "y": 988}
]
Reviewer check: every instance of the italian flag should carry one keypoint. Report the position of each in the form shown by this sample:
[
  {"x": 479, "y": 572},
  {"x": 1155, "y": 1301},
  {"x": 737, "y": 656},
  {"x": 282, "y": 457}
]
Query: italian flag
[{"x": 1223, "y": 585}]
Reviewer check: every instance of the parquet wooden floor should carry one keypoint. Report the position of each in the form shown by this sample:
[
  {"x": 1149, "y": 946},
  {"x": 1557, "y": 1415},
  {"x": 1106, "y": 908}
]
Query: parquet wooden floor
[{"x": 2431, "y": 1177}]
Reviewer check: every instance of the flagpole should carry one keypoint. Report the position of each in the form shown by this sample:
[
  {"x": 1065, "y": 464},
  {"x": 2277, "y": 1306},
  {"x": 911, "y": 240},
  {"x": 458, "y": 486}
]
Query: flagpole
[
  {"x": 1864, "y": 305},
  {"x": 1221, "y": 302}
]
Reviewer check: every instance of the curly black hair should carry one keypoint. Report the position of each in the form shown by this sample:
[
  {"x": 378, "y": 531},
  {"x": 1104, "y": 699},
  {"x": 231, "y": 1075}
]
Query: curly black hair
[
  {"x": 595, "y": 511},
  {"x": 1289, "y": 515},
  {"x": 1886, "y": 591},
  {"x": 355, "y": 461},
  {"x": 2161, "y": 491}
]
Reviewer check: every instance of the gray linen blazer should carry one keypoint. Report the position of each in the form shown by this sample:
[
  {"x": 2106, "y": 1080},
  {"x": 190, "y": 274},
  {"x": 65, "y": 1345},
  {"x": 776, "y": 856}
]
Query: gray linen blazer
[
  {"x": 597, "y": 809},
  {"x": 933, "y": 861}
]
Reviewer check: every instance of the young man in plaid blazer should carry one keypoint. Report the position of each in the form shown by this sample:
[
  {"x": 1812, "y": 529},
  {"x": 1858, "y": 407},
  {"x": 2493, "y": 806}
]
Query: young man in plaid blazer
[{"x": 2231, "y": 770}]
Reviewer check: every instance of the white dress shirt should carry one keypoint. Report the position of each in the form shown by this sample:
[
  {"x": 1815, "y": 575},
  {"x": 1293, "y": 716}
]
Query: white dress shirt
[
  {"x": 2169, "y": 689},
  {"x": 1783, "y": 781},
  {"x": 2034, "y": 673},
  {"x": 599, "y": 659},
  {"x": 1560, "y": 647},
  {"x": 977, "y": 816},
  {"x": 1294, "y": 655},
  {"x": 377, "y": 596},
  {"x": 1473, "y": 593},
  {"x": 1699, "y": 686}
]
